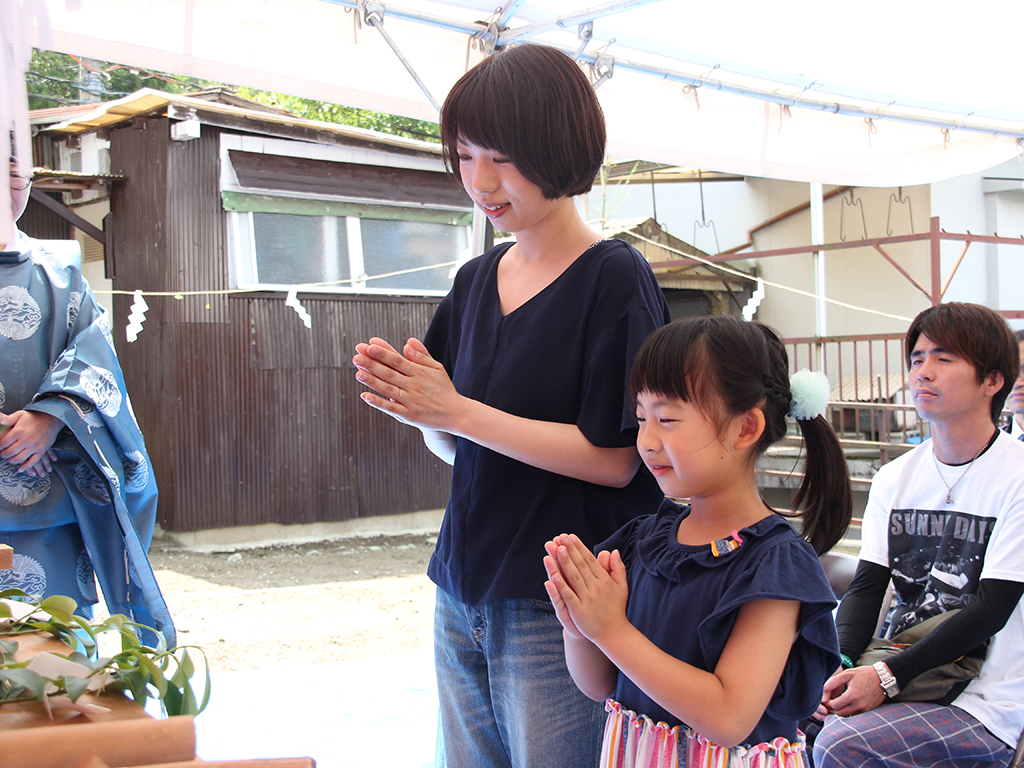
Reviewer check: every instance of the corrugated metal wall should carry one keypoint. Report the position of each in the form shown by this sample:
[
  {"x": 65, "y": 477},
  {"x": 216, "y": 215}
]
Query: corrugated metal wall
[
  {"x": 249, "y": 417},
  {"x": 40, "y": 222}
]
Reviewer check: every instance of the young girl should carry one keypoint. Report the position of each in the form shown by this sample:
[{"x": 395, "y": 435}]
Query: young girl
[
  {"x": 521, "y": 382},
  {"x": 727, "y": 634}
]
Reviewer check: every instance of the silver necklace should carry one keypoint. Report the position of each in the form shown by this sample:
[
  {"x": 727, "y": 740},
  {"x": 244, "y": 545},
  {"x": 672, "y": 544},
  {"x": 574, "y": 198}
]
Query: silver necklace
[{"x": 949, "y": 488}]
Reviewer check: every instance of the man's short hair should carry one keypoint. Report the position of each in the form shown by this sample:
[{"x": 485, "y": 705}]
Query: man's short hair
[
  {"x": 1019, "y": 335},
  {"x": 978, "y": 335},
  {"x": 534, "y": 105}
]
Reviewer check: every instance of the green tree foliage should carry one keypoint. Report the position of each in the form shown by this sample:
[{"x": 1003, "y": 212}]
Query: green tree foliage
[
  {"x": 336, "y": 113},
  {"x": 58, "y": 79}
]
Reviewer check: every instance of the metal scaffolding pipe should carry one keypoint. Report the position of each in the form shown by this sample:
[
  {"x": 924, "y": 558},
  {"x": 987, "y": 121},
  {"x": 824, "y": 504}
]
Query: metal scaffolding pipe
[
  {"x": 467, "y": 27},
  {"x": 508, "y": 12},
  {"x": 505, "y": 37},
  {"x": 885, "y": 112},
  {"x": 803, "y": 99},
  {"x": 374, "y": 16},
  {"x": 818, "y": 238}
]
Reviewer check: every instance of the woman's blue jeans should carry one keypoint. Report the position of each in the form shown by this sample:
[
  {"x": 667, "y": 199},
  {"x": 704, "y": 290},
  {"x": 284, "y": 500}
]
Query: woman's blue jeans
[{"x": 505, "y": 695}]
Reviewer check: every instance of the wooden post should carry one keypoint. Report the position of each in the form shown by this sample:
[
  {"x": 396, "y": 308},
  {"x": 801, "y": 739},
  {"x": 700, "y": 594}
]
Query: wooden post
[{"x": 6, "y": 558}]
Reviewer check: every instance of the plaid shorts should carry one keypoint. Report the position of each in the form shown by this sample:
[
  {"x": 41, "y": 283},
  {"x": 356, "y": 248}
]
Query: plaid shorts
[{"x": 908, "y": 735}]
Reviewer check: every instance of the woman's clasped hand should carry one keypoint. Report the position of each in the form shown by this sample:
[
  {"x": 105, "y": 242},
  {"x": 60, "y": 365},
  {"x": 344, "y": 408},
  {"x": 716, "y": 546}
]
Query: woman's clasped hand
[{"x": 411, "y": 385}]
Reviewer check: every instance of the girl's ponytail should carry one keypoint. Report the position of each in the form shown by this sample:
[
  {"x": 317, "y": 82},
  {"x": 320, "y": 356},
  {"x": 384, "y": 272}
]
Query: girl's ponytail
[{"x": 825, "y": 494}]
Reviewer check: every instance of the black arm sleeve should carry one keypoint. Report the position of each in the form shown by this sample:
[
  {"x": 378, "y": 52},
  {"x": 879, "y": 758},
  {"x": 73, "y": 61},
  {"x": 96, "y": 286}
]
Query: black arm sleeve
[
  {"x": 859, "y": 609},
  {"x": 961, "y": 634}
]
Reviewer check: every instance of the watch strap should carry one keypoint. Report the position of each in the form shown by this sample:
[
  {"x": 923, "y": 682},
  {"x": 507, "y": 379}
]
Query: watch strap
[{"x": 885, "y": 677}]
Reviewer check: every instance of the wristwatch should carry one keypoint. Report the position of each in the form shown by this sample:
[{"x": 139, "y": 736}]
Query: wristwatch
[{"x": 889, "y": 684}]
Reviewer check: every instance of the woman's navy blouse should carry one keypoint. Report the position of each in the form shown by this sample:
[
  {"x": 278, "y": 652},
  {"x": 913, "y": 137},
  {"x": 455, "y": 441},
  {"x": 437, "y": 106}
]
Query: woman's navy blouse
[{"x": 564, "y": 356}]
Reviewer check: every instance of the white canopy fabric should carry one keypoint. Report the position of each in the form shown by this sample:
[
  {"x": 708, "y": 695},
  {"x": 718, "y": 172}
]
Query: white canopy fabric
[{"x": 874, "y": 93}]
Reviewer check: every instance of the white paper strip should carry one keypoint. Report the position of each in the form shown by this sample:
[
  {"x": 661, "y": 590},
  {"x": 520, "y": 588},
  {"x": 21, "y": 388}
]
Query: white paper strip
[
  {"x": 755, "y": 301},
  {"x": 293, "y": 302},
  {"x": 136, "y": 316}
]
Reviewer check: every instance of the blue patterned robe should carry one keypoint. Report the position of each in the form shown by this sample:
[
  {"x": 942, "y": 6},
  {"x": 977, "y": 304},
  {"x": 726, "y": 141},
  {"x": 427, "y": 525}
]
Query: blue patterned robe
[{"x": 57, "y": 356}]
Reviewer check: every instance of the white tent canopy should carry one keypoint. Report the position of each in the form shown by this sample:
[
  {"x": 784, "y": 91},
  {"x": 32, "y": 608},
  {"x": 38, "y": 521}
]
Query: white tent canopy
[{"x": 874, "y": 93}]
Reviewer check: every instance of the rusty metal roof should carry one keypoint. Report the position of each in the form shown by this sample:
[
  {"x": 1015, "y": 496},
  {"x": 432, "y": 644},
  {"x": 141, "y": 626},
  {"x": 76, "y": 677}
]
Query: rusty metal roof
[
  {"x": 65, "y": 181},
  {"x": 85, "y": 118}
]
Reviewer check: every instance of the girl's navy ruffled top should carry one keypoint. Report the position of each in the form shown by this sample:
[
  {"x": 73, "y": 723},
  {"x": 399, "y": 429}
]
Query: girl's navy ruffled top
[{"x": 685, "y": 599}]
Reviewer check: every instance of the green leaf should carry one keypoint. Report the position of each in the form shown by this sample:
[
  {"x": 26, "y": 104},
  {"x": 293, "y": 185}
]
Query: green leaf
[
  {"x": 94, "y": 664},
  {"x": 173, "y": 702},
  {"x": 75, "y": 686},
  {"x": 135, "y": 682},
  {"x": 45, "y": 626},
  {"x": 59, "y": 607},
  {"x": 185, "y": 669},
  {"x": 67, "y": 635},
  {"x": 189, "y": 707},
  {"x": 206, "y": 684},
  {"x": 156, "y": 676},
  {"x": 114, "y": 622},
  {"x": 32, "y": 681},
  {"x": 84, "y": 625},
  {"x": 143, "y": 672}
]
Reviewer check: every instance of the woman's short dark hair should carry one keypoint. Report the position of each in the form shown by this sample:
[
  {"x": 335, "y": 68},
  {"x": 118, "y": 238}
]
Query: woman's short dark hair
[
  {"x": 534, "y": 105},
  {"x": 977, "y": 334}
]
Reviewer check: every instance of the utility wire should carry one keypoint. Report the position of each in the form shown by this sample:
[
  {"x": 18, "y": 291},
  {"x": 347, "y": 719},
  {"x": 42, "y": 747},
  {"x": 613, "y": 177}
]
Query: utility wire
[{"x": 743, "y": 275}]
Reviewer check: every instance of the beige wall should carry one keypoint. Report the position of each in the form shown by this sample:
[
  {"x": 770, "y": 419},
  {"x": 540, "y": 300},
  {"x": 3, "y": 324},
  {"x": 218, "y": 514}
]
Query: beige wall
[
  {"x": 94, "y": 269},
  {"x": 988, "y": 202},
  {"x": 859, "y": 277}
]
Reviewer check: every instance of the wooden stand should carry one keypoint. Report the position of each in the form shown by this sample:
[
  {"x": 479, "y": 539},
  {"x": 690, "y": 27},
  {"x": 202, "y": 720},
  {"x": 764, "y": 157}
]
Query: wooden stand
[
  {"x": 122, "y": 743},
  {"x": 17, "y": 715},
  {"x": 124, "y": 736}
]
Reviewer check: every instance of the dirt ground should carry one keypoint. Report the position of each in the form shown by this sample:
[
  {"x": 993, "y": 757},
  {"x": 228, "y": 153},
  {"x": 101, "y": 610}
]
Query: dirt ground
[{"x": 302, "y": 603}]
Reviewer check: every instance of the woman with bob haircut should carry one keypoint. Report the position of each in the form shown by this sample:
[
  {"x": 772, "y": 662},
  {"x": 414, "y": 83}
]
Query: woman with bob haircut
[{"x": 520, "y": 383}]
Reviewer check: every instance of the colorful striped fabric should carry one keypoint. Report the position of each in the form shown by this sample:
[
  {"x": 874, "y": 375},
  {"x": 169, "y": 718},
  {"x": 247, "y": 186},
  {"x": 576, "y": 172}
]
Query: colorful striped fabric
[{"x": 636, "y": 741}]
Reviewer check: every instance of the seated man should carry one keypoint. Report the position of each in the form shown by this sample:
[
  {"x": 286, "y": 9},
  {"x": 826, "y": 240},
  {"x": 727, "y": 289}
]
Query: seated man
[
  {"x": 946, "y": 523},
  {"x": 77, "y": 493}
]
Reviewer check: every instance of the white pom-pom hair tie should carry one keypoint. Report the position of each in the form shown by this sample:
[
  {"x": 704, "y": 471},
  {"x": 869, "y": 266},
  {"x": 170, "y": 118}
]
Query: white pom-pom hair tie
[{"x": 810, "y": 391}]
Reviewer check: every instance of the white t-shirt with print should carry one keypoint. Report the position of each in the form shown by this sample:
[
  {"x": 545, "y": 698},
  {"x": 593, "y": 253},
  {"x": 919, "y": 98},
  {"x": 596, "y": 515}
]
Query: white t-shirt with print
[{"x": 938, "y": 552}]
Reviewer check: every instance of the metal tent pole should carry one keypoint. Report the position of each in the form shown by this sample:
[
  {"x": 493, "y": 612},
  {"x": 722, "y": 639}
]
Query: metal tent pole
[
  {"x": 373, "y": 15},
  {"x": 507, "y": 36},
  {"x": 853, "y": 107}
]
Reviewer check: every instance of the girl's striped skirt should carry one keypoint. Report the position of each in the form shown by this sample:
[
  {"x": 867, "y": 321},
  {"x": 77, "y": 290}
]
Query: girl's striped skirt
[{"x": 636, "y": 741}]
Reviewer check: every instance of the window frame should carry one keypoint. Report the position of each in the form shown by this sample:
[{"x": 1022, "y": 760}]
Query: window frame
[{"x": 241, "y": 201}]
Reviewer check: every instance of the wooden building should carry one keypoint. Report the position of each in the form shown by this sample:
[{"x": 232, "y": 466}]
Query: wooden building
[
  {"x": 698, "y": 288},
  {"x": 216, "y": 210}
]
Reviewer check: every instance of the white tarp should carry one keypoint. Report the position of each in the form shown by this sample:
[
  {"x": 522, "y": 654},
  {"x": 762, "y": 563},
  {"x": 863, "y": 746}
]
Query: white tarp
[{"x": 952, "y": 65}]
